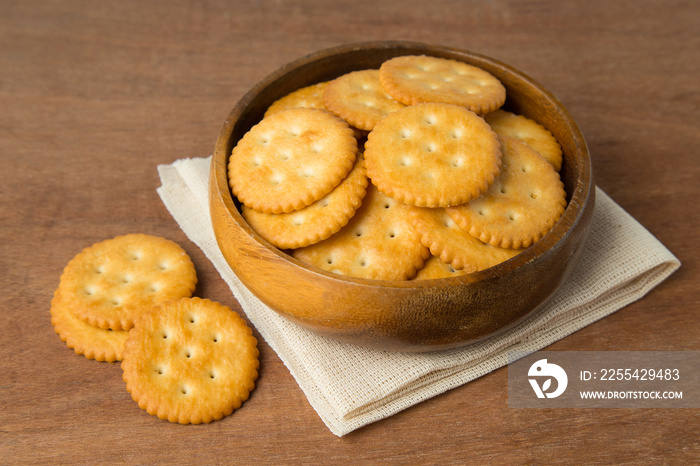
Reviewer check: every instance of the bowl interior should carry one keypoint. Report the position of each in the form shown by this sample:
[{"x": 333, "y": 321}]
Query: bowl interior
[
  {"x": 395, "y": 314},
  {"x": 525, "y": 96}
]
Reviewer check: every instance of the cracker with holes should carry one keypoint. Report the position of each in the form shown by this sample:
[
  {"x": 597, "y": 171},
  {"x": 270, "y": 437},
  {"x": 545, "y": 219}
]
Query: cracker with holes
[
  {"x": 291, "y": 159},
  {"x": 377, "y": 243},
  {"x": 190, "y": 361},
  {"x": 305, "y": 97},
  {"x": 92, "y": 342},
  {"x": 452, "y": 244},
  {"x": 317, "y": 221},
  {"x": 359, "y": 99},
  {"x": 434, "y": 267},
  {"x": 528, "y": 131},
  {"x": 432, "y": 155},
  {"x": 109, "y": 284},
  {"x": 521, "y": 206},
  {"x": 414, "y": 79}
]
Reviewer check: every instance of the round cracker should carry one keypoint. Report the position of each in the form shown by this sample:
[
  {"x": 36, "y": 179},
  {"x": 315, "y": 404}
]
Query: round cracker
[
  {"x": 414, "y": 79},
  {"x": 92, "y": 342},
  {"x": 110, "y": 283},
  {"x": 528, "y": 131},
  {"x": 190, "y": 361},
  {"x": 317, "y": 221},
  {"x": 358, "y": 98},
  {"x": 521, "y": 206},
  {"x": 305, "y": 97},
  {"x": 453, "y": 245},
  {"x": 377, "y": 243},
  {"x": 432, "y": 155},
  {"x": 291, "y": 159}
]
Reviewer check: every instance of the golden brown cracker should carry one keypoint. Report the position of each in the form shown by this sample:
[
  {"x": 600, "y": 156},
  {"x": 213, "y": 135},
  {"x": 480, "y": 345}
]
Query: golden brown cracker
[
  {"x": 305, "y": 97},
  {"x": 434, "y": 268},
  {"x": 453, "y": 245},
  {"x": 190, "y": 361},
  {"x": 432, "y": 155},
  {"x": 92, "y": 342},
  {"x": 377, "y": 243},
  {"x": 110, "y": 283},
  {"x": 528, "y": 131},
  {"x": 520, "y": 207},
  {"x": 358, "y": 98},
  {"x": 413, "y": 79},
  {"x": 314, "y": 222},
  {"x": 291, "y": 159}
]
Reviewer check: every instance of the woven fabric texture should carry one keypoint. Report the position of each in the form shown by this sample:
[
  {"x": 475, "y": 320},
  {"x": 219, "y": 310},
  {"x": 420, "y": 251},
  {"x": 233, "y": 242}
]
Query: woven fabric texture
[{"x": 351, "y": 386}]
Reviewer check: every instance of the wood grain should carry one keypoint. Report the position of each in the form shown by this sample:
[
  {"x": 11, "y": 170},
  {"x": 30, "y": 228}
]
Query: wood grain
[{"x": 95, "y": 95}]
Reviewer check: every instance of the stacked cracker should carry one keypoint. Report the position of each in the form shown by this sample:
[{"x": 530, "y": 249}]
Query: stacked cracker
[
  {"x": 129, "y": 299},
  {"x": 448, "y": 182}
]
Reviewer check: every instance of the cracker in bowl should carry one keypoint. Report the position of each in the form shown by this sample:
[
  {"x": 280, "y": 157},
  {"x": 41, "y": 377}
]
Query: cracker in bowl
[
  {"x": 377, "y": 243},
  {"x": 521, "y": 206},
  {"x": 317, "y": 221},
  {"x": 452, "y": 244},
  {"x": 359, "y": 99},
  {"x": 306, "y": 97},
  {"x": 414, "y": 79},
  {"x": 528, "y": 131},
  {"x": 291, "y": 159},
  {"x": 432, "y": 155},
  {"x": 434, "y": 267}
]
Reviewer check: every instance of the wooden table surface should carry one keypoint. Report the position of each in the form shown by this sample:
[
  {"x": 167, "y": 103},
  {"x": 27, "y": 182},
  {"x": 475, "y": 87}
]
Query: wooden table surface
[{"x": 94, "y": 95}]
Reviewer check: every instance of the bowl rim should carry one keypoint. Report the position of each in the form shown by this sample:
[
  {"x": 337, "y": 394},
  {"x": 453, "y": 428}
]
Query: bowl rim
[{"x": 582, "y": 192}]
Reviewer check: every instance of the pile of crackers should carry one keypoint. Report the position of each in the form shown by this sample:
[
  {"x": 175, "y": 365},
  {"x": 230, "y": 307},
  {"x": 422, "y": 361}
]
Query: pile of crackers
[
  {"x": 409, "y": 171},
  {"x": 185, "y": 359}
]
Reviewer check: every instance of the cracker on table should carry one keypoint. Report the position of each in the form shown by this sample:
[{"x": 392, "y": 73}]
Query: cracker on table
[
  {"x": 432, "y": 155},
  {"x": 305, "y": 97},
  {"x": 190, "y": 361},
  {"x": 358, "y": 98},
  {"x": 452, "y": 244},
  {"x": 434, "y": 267},
  {"x": 314, "y": 222},
  {"x": 92, "y": 342},
  {"x": 528, "y": 131},
  {"x": 413, "y": 79},
  {"x": 291, "y": 159},
  {"x": 377, "y": 243},
  {"x": 110, "y": 283},
  {"x": 521, "y": 206}
]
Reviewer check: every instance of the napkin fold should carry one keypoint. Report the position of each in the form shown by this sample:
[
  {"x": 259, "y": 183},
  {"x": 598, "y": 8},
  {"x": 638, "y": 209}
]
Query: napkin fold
[{"x": 351, "y": 386}]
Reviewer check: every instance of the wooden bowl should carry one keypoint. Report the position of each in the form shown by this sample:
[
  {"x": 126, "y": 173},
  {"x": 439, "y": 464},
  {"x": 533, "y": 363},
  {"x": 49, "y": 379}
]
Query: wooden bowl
[{"x": 421, "y": 315}]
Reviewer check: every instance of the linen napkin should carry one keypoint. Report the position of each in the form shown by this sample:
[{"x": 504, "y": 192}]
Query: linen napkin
[{"x": 351, "y": 386}]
